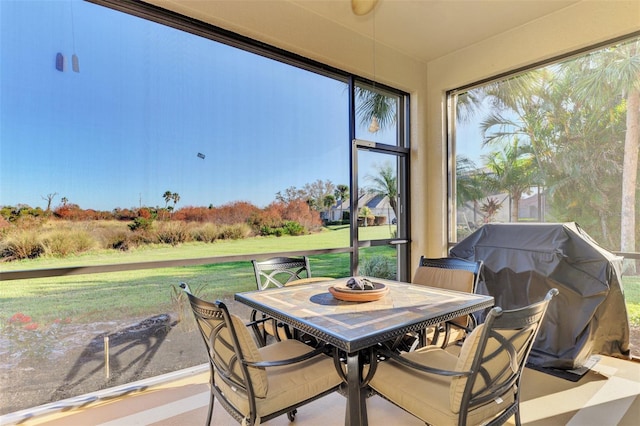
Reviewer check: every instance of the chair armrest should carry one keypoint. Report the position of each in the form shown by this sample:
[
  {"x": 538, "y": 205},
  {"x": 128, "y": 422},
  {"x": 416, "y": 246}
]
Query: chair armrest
[
  {"x": 277, "y": 363},
  {"x": 461, "y": 327},
  {"x": 257, "y": 321},
  {"x": 420, "y": 367}
]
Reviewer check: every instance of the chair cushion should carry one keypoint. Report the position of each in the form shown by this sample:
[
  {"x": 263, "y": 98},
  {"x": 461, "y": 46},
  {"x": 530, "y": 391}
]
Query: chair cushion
[
  {"x": 451, "y": 279},
  {"x": 426, "y": 395},
  {"x": 251, "y": 353},
  {"x": 288, "y": 385},
  {"x": 465, "y": 361},
  {"x": 271, "y": 326}
]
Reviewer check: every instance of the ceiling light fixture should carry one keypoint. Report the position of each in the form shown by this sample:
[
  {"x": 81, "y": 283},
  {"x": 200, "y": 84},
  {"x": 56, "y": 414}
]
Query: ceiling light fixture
[{"x": 362, "y": 7}]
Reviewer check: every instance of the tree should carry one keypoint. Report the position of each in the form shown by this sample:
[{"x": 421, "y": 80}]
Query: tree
[
  {"x": 490, "y": 209},
  {"x": 175, "y": 197},
  {"x": 373, "y": 104},
  {"x": 328, "y": 202},
  {"x": 342, "y": 193},
  {"x": 167, "y": 197},
  {"x": 469, "y": 183},
  {"x": 290, "y": 194},
  {"x": 365, "y": 212},
  {"x": 316, "y": 192},
  {"x": 573, "y": 142},
  {"x": 511, "y": 170},
  {"x": 618, "y": 68},
  {"x": 49, "y": 198},
  {"x": 385, "y": 184}
]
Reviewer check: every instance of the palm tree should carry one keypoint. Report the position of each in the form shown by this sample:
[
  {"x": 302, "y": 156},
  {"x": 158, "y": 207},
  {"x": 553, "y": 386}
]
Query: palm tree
[
  {"x": 385, "y": 184},
  {"x": 618, "y": 68},
  {"x": 490, "y": 209},
  {"x": 175, "y": 197},
  {"x": 342, "y": 193},
  {"x": 167, "y": 197},
  {"x": 329, "y": 201},
  {"x": 374, "y": 104},
  {"x": 469, "y": 183},
  {"x": 512, "y": 170}
]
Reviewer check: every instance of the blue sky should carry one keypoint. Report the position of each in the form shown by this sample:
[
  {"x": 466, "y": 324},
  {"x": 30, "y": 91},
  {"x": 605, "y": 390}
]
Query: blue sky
[{"x": 147, "y": 100}]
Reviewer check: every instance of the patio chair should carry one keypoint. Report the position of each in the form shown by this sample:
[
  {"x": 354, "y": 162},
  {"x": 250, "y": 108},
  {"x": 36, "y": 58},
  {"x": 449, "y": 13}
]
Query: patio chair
[
  {"x": 279, "y": 272},
  {"x": 481, "y": 385},
  {"x": 452, "y": 274},
  {"x": 257, "y": 384}
]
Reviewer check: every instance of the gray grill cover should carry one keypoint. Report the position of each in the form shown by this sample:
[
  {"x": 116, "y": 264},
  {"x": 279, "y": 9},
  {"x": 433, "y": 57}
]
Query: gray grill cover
[{"x": 523, "y": 261}]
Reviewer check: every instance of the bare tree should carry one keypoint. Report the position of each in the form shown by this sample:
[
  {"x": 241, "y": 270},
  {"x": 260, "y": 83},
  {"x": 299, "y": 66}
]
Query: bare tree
[{"x": 49, "y": 199}]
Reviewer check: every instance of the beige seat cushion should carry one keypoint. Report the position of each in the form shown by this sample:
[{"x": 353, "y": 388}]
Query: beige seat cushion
[
  {"x": 271, "y": 327},
  {"x": 493, "y": 367},
  {"x": 426, "y": 396},
  {"x": 451, "y": 279},
  {"x": 288, "y": 385},
  {"x": 250, "y": 351}
]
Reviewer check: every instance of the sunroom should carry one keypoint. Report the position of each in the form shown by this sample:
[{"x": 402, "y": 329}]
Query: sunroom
[{"x": 144, "y": 144}]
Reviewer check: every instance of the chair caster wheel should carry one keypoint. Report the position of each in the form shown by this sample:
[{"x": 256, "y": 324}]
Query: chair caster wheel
[{"x": 291, "y": 415}]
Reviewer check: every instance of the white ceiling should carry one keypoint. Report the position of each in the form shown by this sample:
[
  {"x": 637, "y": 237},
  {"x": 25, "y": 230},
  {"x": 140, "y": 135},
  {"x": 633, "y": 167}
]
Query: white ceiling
[{"x": 421, "y": 29}]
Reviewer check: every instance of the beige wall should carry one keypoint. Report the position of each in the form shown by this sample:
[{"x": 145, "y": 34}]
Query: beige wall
[{"x": 576, "y": 27}]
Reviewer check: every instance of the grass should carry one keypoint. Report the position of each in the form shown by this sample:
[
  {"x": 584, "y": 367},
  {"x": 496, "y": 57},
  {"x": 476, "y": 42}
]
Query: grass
[
  {"x": 102, "y": 297},
  {"x": 631, "y": 286}
]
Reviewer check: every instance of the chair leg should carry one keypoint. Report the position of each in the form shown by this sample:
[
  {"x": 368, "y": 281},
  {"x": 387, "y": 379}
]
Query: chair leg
[
  {"x": 517, "y": 417},
  {"x": 211, "y": 401},
  {"x": 291, "y": 415}
]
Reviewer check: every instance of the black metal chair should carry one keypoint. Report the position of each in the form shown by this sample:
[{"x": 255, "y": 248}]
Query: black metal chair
[
  {"x": 453, "y": 274},
  {"x": 257, "y": 384},
  {"x": 480, "y": 386},
  {"x": 279, "y": 272}
]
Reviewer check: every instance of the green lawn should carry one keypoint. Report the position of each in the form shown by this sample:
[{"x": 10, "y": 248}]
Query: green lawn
[{"x": 100, "y": 297}]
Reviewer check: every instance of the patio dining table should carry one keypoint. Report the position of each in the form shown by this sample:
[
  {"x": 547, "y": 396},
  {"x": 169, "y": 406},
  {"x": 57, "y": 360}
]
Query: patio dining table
[{"x": 356, "y": 327}]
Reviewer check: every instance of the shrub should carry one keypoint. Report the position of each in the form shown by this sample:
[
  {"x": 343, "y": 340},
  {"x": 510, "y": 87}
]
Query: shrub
[
  {"x": 118, "y": 240},
  {"x": 22, "y": 244},
  {"x": 294, "y": 228},
  {"x": 235, "y": 232},
  {"x": 232, "y": 213},
  {"x": 206, "y": 233},
  {"x": 379, "y": 220},
  {"x": 379, "y": 267},
  {"x": 173, "y": 233},
  {"x": 141, "y": 223},
  {"x": 67, "y": 241}
]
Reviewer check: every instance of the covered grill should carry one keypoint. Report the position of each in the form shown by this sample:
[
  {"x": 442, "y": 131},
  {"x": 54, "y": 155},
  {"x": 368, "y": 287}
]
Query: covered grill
[{"x": 523, "y": 261}]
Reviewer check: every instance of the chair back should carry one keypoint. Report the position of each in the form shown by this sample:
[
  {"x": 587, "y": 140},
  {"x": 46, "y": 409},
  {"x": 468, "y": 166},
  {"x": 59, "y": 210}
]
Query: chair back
[
  {"x": 455, "y": 264},
  {"x": 229, "y": 344},
  {"x": 450, "y": 273},
  {"x": 278, "y": 271},
  {"x": 495, "y": 353}
]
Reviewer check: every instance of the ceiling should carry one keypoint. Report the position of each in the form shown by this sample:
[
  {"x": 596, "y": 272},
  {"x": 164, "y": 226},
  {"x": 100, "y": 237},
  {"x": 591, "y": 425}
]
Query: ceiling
[{"x": 421, "y": 29}]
